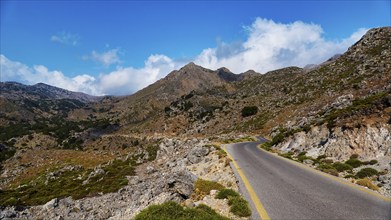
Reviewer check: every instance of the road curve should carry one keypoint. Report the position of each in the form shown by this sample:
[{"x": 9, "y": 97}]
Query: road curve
[{"x": 289, "y": 191}]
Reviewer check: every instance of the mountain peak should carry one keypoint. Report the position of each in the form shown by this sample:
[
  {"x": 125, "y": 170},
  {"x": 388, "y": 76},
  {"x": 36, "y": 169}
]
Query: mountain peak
[
  {"x": 191, "y": 66},
  {"x": 224, "y": 69},
  {"x": 46, "y": 86}
]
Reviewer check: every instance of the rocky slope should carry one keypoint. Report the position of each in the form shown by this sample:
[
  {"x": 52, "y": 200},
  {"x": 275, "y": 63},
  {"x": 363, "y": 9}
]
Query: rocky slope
[
  {"x": 170, "y": 177},
  {"x": 17, "y": 91},
  {"x": 50, "y": 137}
]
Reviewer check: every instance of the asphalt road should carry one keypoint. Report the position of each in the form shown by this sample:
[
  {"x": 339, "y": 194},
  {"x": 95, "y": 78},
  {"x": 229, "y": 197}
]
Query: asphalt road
[{"x": 288, "y": 191}]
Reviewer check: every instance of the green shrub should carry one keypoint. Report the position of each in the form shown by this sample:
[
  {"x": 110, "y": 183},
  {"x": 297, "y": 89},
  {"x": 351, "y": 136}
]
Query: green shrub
[
  {"x": 152, "y": 151},
  {"x": 367, "y": 183},
  {"x": 342, "y": 166},
  {"x": 249, "y": 110},
  {"x": 328, "y": 161},
  {"x": 278, "y": 138},
  {"x": 301, "y": 158},
  {"x": 188, "y": 105},
  {"x": 327, "y": 168},
  {"x": 225, "y": 193},
  {"x": 203, "y": 187},
  {"x": 266, "y": 146},
  {"x": 239, "y": 206},
  {"x": 354, "y": 162},
  {"x": 287, "y": 155},
  {"x": 371, "y": 162},
  {"x": 221, "y": 153},
  {"x": 172, "y": 210},
  {"x": 320, "y": 157},
  {"x": 366, "y": 172},
  {"x": 333, "y": 172},
  {"x": 323, "y": 166},
  {"x": 350, "y": 176},
  {"x": 302, "y": 153},
  {"x": 7, "y": 153},
  {"x": 353, "y": 156}
]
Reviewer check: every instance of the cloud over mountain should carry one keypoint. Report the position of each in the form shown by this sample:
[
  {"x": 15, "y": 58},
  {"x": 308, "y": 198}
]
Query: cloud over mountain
[
  {"x": 272, "y": 45},
  {"x": 269, "y": 45}
]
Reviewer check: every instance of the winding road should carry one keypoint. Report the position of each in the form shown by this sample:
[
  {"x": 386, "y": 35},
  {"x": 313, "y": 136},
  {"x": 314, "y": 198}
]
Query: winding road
[{"x": 289, "y": 190}]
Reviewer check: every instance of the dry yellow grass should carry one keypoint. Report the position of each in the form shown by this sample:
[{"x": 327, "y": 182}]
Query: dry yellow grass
[
  {"x": 367, "y": 183},
  {"x": 39, "y": 161}
]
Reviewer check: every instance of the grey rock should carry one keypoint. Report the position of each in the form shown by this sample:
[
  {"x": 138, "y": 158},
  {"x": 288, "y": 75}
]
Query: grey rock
[
  {"x": 195, "y": 155},
  {"x": 383, "y": 178},
  {"x": 96, "y": 172},
  {"x": 133, "y": 180},
  {"x": 308, "y": 161},
  {"x": 182, "y": 183},
  {"x": 8, "y": 214},
  {"x": 51, "y": 204},
  {"x": 340, "y": 102},
  {"x": 150, "y": 170}
]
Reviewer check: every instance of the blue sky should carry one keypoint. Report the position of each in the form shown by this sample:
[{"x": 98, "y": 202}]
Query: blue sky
[{"x": 118, "y": 47}]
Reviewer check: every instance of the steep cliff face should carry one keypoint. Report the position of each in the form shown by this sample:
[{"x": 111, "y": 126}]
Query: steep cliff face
[{"x": 368, "y": 141}]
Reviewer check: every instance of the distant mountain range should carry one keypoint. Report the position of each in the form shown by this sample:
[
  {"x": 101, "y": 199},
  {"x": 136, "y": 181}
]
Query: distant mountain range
[
  {"x": 18, "y": 91},
  {"x": 195, "y": 100}
]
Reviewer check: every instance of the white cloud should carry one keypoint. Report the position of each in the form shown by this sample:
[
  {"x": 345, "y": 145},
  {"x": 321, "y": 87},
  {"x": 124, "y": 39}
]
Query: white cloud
[
  {"x": 106, "y": 58},
  {"x": 272, "y": 45},
  {"x": 269, "y": 45},
  {"x": 16, "y": 71},
  {"x": 65, "y": 38},
  {"x": 128, "y": 80},
  {"x": 122, "y": 81}
]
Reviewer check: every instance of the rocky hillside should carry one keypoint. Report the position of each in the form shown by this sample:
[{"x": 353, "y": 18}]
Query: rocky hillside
[
  {"x": 50, "y": 137},
  {"x": 17, "y": 91},
  {"x": 25, "y": 103},
  {"x": 289, "y": 97},
  {"x": 147, "y": 104}
]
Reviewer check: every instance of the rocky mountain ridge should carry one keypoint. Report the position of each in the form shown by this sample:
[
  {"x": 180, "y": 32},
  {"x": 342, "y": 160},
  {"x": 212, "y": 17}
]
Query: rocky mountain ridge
[
  {"x": 18, "y": 91},
  {"x": 337, "y": 109}
]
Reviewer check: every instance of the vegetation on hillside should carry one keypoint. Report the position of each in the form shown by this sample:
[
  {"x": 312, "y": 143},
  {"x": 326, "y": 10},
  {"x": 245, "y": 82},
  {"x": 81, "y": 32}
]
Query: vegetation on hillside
[
  {"x": 172, "y": 210},
  {"x": 70, "y": 181},
  {"x": 238, "y": 205},
  {"x": 249, "y": 110},
  {"x": 58, "y": 128}
]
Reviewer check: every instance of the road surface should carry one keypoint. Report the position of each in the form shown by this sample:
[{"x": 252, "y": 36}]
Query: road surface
[{"x": 289, "y": 191}]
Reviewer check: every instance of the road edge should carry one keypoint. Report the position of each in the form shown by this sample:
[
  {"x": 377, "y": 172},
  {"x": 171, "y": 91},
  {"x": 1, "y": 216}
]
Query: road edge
[
  {"x": 352, "y": 185},
  {"x": 256, "y": 201}
]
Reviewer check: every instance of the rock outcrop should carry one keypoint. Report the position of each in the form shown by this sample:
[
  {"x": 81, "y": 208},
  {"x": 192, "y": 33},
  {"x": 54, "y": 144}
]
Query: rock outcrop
[{"x": 369, "y": 142}]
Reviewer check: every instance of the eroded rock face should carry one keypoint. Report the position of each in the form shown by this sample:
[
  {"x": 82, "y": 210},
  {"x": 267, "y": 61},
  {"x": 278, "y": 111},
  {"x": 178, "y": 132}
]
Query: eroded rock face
[{"x": 369, "y": 142}]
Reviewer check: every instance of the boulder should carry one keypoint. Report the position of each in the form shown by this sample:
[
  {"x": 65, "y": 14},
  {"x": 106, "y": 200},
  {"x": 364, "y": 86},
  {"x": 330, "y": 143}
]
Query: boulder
[
  {"x": 195, "y": 155},
  {"x": 51, "y": 204},
  {"x": 182, "y": 183}
]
